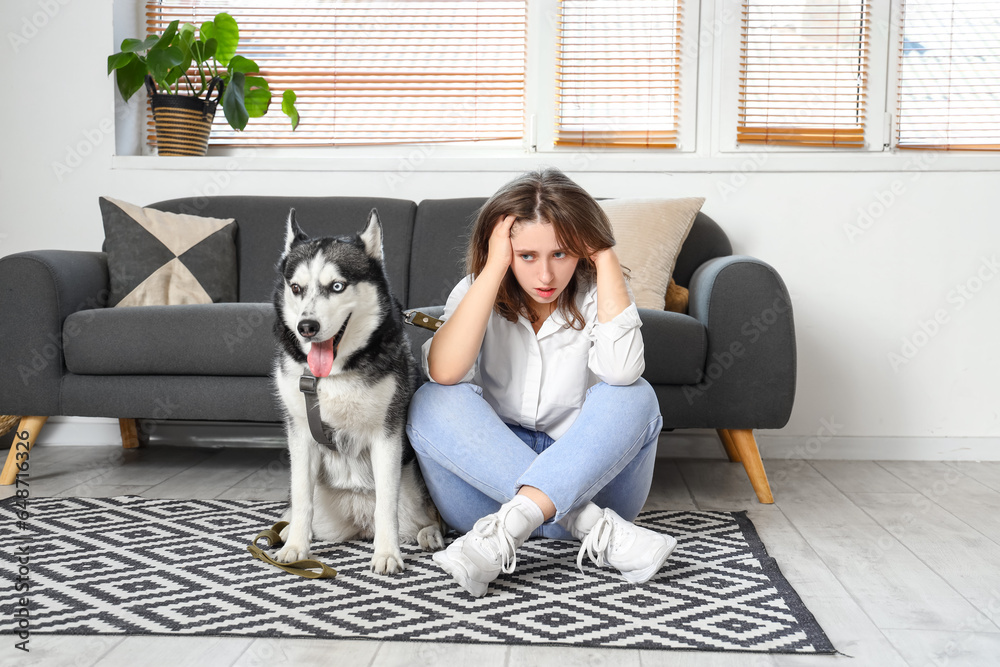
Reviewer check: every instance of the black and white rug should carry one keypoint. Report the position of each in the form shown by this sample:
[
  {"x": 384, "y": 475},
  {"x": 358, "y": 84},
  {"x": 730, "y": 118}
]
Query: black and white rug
[{"x": 130, "y": 565}]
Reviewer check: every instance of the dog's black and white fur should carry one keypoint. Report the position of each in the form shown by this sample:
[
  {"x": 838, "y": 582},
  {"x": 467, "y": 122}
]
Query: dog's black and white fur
[{"x": 369, "y": 484}]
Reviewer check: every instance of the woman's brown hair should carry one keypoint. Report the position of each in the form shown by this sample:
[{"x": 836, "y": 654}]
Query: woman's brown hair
[{"x": 581, "y": 228}]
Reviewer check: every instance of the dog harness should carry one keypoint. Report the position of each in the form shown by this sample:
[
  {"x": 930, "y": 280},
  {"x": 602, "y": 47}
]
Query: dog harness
[{"x": 307, "y": 385}]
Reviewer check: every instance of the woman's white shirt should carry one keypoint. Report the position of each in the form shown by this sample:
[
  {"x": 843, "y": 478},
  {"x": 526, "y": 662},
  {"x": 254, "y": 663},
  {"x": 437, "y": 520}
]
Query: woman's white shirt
[{"x": 540, "y": 381}]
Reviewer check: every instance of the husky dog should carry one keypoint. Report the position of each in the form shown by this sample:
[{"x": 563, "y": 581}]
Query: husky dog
[{"x": 337, "y": 319}]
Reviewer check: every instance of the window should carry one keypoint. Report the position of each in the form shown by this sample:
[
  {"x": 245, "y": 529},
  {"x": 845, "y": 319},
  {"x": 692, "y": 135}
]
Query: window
[
  {"x": 790, "y": 74},
  {"x": 376, "y": 72},
  {"x": 803, "y": 73},
  {"x": 949, "y": 75},
  {"x": 618, "y": 73}
]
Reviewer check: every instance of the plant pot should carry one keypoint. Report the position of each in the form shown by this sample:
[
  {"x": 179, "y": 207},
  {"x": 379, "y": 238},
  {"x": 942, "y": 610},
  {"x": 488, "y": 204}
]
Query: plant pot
[{"x": 183, "y": 123}]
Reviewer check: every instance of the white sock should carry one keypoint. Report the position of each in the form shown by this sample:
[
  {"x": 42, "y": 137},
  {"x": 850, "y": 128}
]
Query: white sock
[
  {"x": 520, "y": 517},
  {"x": 580, "y": 520}
]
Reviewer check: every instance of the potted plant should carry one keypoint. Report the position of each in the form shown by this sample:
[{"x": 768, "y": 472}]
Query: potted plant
[{"x": 183, "y": 108}]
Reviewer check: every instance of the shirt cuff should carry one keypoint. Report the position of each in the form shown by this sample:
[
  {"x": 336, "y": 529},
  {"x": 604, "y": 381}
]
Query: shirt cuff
[{"x": 623, "y": 323}]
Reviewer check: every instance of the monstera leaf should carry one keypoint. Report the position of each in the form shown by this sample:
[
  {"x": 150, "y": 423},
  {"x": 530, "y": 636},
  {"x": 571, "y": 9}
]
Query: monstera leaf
[
  {"x": 224, "y": 30},
  {"x": 288, "y": 107},
  {"x": 233, "y": 103}
]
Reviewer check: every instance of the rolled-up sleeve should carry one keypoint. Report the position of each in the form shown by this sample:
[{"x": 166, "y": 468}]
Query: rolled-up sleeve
[
  {"x": 616, "y": 356},
  {"x": 454, "y": 299}
]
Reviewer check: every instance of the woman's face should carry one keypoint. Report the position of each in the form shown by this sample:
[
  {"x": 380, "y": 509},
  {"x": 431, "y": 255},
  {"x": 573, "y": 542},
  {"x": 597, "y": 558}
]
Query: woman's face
[{"x": 542, "y": 267}]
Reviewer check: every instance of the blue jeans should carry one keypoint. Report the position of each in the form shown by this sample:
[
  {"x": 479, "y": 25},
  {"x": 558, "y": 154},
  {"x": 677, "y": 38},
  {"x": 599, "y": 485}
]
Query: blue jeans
[{"x": 472, "y": 461}]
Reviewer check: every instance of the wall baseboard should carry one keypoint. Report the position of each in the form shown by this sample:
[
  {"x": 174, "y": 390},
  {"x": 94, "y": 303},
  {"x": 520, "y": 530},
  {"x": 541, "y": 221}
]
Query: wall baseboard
[
  {"x": 690, "y": 443},
  {"x": 702, "y": 443}
]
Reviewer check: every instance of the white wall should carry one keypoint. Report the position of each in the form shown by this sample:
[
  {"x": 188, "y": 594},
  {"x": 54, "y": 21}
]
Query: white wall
[{"x": 856, "y": 299}]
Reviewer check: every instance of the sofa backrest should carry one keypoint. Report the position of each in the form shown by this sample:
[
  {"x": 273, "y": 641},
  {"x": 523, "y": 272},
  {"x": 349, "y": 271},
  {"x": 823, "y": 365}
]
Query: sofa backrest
[
  {"x": 424, "y": 244},
  {"x": 442, "y": 230},
  {"x": 260, "y": 235},
  {"x": 440, "y": 235},
  {"x": 705, "y": 241}
]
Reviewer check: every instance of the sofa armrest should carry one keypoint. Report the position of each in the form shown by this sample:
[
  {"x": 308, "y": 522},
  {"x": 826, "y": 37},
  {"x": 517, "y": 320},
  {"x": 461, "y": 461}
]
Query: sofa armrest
[
  {"x": 38, "y": 291},
  {"x": 750, "y": 366}
]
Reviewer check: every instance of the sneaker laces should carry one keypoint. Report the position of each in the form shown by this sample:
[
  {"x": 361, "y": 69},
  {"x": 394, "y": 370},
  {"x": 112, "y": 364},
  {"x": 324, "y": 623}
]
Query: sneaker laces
[
  {"x": 596, "y": 543},
  {"x": 494, "y": 534}
]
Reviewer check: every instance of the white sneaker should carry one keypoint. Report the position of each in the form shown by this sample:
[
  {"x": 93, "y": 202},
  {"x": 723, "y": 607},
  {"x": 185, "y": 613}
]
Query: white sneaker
[
  {"x": 479, "y": 556},
  {"x": 638, "y": 553}
]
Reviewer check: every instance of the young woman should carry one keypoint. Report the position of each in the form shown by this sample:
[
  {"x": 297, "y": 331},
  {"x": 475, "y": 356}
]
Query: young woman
[{"x": 536, "y": 420}]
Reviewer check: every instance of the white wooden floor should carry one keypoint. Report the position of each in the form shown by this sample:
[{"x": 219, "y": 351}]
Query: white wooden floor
[{"x": 899, "y": 561}]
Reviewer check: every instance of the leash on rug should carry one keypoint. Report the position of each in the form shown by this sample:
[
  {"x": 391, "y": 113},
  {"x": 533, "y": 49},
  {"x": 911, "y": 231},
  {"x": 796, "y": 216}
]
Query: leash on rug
[{"x": 304, "y": 568}]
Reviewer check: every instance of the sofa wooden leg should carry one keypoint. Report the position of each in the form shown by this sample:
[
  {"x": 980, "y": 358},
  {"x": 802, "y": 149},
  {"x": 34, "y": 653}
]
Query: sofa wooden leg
[
  {"x": 745, "y": 444},
  {"x": 24, "y": 440},
  {"x": 130, "y": 433},
  {"x": 727, "y": 442}
]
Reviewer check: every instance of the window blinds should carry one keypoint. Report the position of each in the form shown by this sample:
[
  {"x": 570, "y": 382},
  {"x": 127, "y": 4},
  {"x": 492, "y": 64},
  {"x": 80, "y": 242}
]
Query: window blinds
[
  {"x": 949, "y": 75},
  {"x": 375, "y": 72},
  {"x": 618, "y": 73},
  {"x": 803, "y": 72}
]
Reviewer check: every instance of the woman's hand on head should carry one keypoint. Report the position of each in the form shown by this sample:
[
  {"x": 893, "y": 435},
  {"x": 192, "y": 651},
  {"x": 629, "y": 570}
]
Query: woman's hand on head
[
  {"x": 501, "y": 253},
  {"x": 604, "y": 256}
]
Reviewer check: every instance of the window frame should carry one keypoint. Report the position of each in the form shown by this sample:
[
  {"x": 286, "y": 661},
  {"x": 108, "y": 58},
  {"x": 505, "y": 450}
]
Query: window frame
[
  {"x": 708, "y": 120},
  {"x": 874, "y": 134},
  {"x": 892, "y": 93}
]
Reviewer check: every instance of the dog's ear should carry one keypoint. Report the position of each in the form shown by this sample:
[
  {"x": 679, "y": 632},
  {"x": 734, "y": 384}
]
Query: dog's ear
[
  {"x": 293, "y": 233},
  {"x": 372, "y": 236}
]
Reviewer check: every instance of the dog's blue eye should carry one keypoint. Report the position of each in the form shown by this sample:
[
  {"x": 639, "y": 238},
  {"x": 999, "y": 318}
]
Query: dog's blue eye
[{"x": 338, "y": 286}]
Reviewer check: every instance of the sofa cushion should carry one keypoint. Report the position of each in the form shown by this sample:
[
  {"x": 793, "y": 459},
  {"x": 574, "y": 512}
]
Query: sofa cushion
[
  {"x": 649, "y": 234},
  {"x": 157, "y": 258},
  {"x": 201, "y": 339},
  {"x": 675, "y": 347}
]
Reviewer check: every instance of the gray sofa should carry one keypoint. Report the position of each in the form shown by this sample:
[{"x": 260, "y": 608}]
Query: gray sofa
[{"x": 729, "y": 364}]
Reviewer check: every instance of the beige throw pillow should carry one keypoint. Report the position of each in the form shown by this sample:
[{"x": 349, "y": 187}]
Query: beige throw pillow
[{"x": 649, "y": 235}]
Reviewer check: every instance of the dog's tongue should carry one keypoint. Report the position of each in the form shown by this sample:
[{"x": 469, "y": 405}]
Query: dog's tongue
[{"x": 321, "y": 356}]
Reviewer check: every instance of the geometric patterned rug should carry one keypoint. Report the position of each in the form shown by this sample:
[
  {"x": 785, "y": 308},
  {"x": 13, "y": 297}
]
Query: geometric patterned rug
[{"x": 131, "y": 565}]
